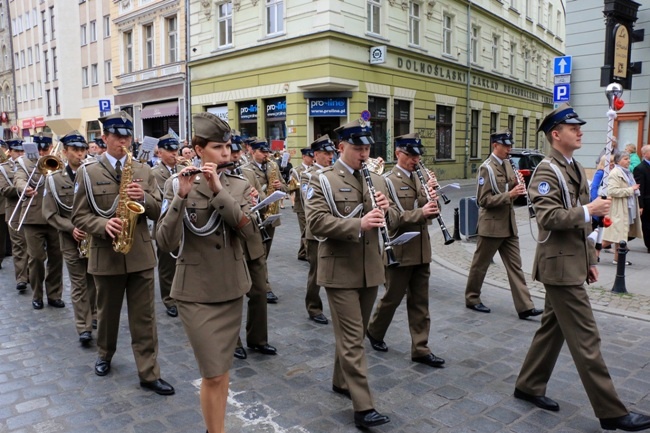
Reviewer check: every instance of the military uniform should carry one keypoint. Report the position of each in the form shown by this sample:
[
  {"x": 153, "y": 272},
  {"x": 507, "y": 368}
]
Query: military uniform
[
  {"x": 411, "y": 277},
  {"x": 166, "y": 263},
  {"x": 298, "y": 208},
  {"x": 97, "y": 195},
  {"x": 42, "y": 239},
  {"x": 497, "y": 231},
  {"x": 350, "y": 267},
  {"x": 558, "y": 191},
  {"x": 18, "y": 241},
  {"x": 57, "y": 211}
]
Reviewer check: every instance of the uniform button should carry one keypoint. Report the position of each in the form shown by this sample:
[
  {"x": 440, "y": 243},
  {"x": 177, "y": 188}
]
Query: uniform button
[
  {"x": 218, "y": 246},
  {"x": 193, "y": 204},
  {"x": 103, "y": 191},
  {"x": 218, "y": 233},
  {"x": 182, "y": 259},
  {"x": 349, "y": 237}
]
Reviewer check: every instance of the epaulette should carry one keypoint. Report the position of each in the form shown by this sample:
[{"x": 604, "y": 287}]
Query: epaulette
[
  {"x": 90, "y": 162},
  {"x": 326, "y": 169},
  {"x": 238, "y": 176}
]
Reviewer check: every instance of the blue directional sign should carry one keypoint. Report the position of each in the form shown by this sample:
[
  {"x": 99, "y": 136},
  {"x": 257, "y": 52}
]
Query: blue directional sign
[
  {"x": 105, "y": 105},
  {"x": 561, "y": 92},
  {"x": 562, "y": 65}
]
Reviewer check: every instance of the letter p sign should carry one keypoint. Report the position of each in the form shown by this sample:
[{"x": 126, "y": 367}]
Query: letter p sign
[
  {"x": 104, "y": 105},
  {"x": 561, "y": 93}
]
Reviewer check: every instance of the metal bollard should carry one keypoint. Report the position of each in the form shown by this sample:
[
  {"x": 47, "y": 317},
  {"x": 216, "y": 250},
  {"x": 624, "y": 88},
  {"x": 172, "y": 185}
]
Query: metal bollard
[
  {"x": 456, "y": 236},
  {"x": 619, "y": 282}
]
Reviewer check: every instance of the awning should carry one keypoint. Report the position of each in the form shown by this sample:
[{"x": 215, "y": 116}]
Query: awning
[
  {"x": 62, "y": 126},
  {"x": 165, "y": 109}
]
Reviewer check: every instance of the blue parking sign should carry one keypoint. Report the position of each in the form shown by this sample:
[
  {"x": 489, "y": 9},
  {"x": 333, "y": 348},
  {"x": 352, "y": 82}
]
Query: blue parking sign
[
  {"x": 561, "y": 92},
  {"x": 104, "y": 105}
]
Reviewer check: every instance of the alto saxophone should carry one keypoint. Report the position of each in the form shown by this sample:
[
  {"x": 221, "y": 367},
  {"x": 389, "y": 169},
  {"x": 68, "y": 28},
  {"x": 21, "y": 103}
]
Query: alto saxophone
[
  {"x": 271, "y": 176},
  {"x": 127, "y": 211}
]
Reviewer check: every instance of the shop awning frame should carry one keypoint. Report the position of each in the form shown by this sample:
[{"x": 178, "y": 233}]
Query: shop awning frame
[{"x": 163, "y": 109}]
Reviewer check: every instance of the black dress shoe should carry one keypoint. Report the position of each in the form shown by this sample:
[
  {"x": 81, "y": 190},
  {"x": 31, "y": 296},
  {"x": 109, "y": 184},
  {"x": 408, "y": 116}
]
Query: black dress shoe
[
  {"x": 530, "y": 313},
  {"x": 377, "y": 344},
  {"x": 21, "y": 287},
  {"x": 264, "y": 349},
  {"x": 341, "y": 391},
  {"x": 159, "y": 387},
  {"x": 431, "y": 360},
  {"x": 85, "y": 338},
  {"x": 94, "y": 323},
  {"x": 37, "y": 304},
  {"x": 479, "y": 307},
  {"x": 302, "y": 258},
  {"x": 102, "y": 368},
  {"x": 320, "y": 318},
  {"x": 56, "y": 303},
  {"x": 369, "y": 418},
  {"x": 542, "y": 402},
  {"x": 240, "y": 353},
  {"x": 630, "y": 422},
  {"x": 172, "y": 311},
  {"x": 271, "y": 298}
]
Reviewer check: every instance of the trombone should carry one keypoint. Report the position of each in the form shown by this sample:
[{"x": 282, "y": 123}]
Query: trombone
[{"x": 46, "y": 164}]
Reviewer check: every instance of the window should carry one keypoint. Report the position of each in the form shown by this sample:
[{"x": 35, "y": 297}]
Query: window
[
  {"x": 540, "y": 13},
  {"x": 2, "y": 26},
  {"x": 30, "y": 56},
  {"x": 444, "y": 131},
  {"x": 401, "y": 117},
  {"x": 513, "y": 58},
  {"x": 5, "y": 57},
  {"x": 474, "y": 134},
  {"x": 19, "y": 94},
  {"x": 495, "y": 52},
  {"x": 524, "y": 133},
  {"x": 224, "y": 24},
  {"x": 13, "y": 27},
  {"x": 49, "y": 102},
  {"x": 511, "y": 123},
  {"x": 550, "y": 17},
  {"x": 494, "y": 122},
  {"x": 474, "y": 44},
  {"x": 378, "y": 108},
  {"x": 22, "y": 58},
  {"x": 19, "y": 24},
  {"x": 38, "y": 53},
  {"x": 84, "y": 76},
  {"x": 107, "y": 26},
  {"x": 52, "y": 30},
  {"x": 414, "y": 23},
  {"x": 108, "y": 72},
  {"x": 16, "y": 61},
  {"x": 128, "y": 51},
  {"x": 56, "y": 101},
  {"x": 172, "y": 38},
  {"x": 83, "y": 35},
  {"x": 44, "y": 26},
  {"x": 39, "y": 88},
  {"x": 274, "y": 16},
  {"x": 447, "y": 34},
  {"x": 26, "y": 21},
  {"x": 147, "y": 34},
  {"x": 55, "y": 68},
  {"x": 31, "y": 90},
  {"x": 529, "y": 8},
  {"x": 558, "y": 24},
  {"x": 47, "y": 66},
  {"x": 34, "y": 18},
  {"x": 93, "y": 31},
  {"x": 94, "y": 74},
  {"x": 527, "y": 65},
  {"x": 373, "y": 16}
]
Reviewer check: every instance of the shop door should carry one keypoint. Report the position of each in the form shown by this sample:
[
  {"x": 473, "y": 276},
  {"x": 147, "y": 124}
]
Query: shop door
[{"x": 326, "y": 125}]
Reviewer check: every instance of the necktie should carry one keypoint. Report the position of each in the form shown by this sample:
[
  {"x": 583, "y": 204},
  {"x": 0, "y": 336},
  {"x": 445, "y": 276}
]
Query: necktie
[
  {"x": 358, "y": 177},
  {"x": 118, "y": 170},
  {"x": 173, "y": 170}
]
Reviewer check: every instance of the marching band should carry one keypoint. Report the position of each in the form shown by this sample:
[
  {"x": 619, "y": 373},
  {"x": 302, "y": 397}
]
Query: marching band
[{"x": 215, "y": 214}]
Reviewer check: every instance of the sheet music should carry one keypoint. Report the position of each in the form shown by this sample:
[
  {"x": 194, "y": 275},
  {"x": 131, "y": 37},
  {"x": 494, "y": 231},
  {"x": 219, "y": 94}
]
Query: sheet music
[
  {"x": 31, "y": 151},
  {"x": 270, "y": 220},
  {"x": 277, "y": 195},
  {"x": 146, "y": 148},
  {"x": 450, "y": 185},
  {"x": 403, "y": 238}
]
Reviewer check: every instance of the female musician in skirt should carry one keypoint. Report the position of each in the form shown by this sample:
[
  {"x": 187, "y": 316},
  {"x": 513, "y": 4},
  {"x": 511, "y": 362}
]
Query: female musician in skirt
[{"x": 204, "y": 214}]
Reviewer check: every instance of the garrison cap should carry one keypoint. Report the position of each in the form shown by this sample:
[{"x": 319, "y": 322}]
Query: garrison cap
[
  {"x": 211, "y": 127},
  {"x": 502, "y": 137},
  {"x": 43, "y": 140},
  {"x": 307, "y": 151},
  {"x": 15, "y": 144},
  {"x": 167, "y": 142},
  {"x": 410, "y": 143},
  {"x": 356, "y": 132},
  {"x": 118, "y": 123},
  {"x": 562, "y": 114},
  {"x": 260, "y": 144},
  {"x": 74, "y": 139},
  {"x": 324, "y": 144}
]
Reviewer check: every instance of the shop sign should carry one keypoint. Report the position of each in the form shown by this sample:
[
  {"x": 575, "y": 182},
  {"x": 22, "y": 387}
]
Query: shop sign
[
  {"x": 276, "y": 108},
  {"x": 220, "y": 111},
  {"x": 248, "y": 112},
  {"x": 38, "y": 122},
  {"x": 326, "y": 107}
]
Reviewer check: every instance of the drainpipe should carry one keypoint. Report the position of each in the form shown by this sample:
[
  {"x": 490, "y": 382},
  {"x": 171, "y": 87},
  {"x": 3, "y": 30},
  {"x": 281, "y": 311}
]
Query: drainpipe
[
  {"x": 13, "y": 71},
  {"x": 467, "y": 89},
  {"x": 188, "y": 103}
]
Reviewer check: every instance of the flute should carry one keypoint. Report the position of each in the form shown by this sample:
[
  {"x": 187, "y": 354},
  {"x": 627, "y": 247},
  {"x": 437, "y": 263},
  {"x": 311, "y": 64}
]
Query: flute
[
  {"x": 198, "y": 170},
  {"x": 445, "y": 233}
]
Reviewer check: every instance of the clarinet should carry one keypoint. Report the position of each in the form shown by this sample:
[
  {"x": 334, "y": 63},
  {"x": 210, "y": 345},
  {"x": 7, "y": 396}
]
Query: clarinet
[
  {"x": 445, "y": 232},
  {"x": 445, "y": 199},
  {"x": 520, "y": 181},
  {"x": 390, "y": 254}
]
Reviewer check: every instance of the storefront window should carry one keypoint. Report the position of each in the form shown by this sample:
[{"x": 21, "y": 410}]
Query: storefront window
[
  {"x": 401, "y": 118},
  {"x": 93, "y": 130},
  {"x": 247, "y": 118},
  {"x": 474, "y": 133},
  {"x": 444, "y": 129},
  {"x": 378, "y": 108},
  {"x": 276, "y": 115}
]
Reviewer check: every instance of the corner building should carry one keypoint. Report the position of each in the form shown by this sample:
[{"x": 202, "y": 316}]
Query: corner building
[{"x": 453, "y": 71}]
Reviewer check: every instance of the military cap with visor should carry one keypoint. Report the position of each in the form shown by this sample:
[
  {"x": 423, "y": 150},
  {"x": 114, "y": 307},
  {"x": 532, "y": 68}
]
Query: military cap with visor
[
  {"x": 502, "y": 137},
  {"x": 323, "y": 143},
  {"x": 410, "y": 143},
  {"x": 236, "y": 141},
  {"x": 564, "y": 114},
  {"x": 211, "y": 127},
  {"x": 43, "y": 140},
  {"x": 74, "y": 139},
  {"x": 356, "y": 132},
  {"x": 15, "y": 144},
  {"x": 260, "y": 144},
  {"x": 99, "y": 142},
  {"x": 168, "y": 142},
  {"x": 118, "y": 123},
  {"x": 307, "y": 152}
]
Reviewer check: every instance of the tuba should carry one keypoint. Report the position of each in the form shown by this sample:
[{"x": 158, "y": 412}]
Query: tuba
[{"x": 128, "y": 210}]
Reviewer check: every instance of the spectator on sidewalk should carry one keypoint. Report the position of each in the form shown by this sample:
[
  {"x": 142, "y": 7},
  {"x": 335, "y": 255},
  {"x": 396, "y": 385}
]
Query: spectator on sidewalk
[
  {"x": 634, "y": 157},
  {"x": 642, "y": 177}
]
